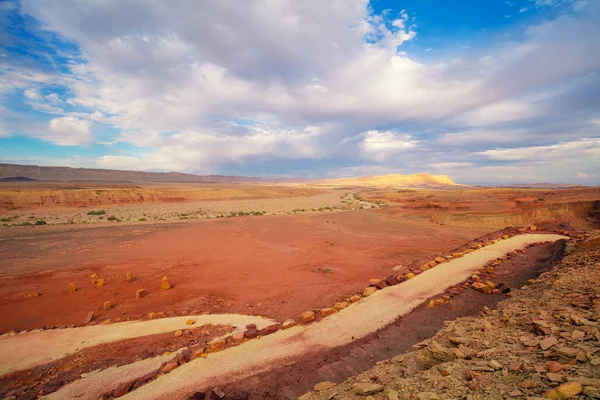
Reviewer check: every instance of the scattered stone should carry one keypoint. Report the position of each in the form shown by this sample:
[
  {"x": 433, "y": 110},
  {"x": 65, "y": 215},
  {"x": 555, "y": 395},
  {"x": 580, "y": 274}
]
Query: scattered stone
[
  {"x": 271, "y": 329},
  {"x": 251, "y": 333},
  {"x": 128, "y": 277},
  {"x": 165, "y": 284},
  {"x": 100, "y": 282},
  {"x": 495, "y": 364},
  {"x": 564, "y": 391},
  {"x": 340, "y": 306},
  {"x": 288, "y": 323},
  {"x": 325, "y": 312},
  {"x": 410, "y": 275},
  {"x": 140, "y": 293},
  {"x": 89, "y": 317},
  {"x": 577, "y": 335},
  {"x": 107, "y": 305},
  {"x": 168, "y": 367},
  {"x": 190, "y": 321},
  {"x": 307, "y": 316},
  {"x": 374, "y": 282},
  {"x": 554, "y": 366},
  {"x": 515, "y": 393},
  {"x": 354, "y": 298},
  {"x": 71, "y": 288},
  {"x": 324, "y": 385},
  {"x": 369, "y": 291},
  {"x": 427, "y": 396},
  {"x": 554, "y": 377},
  {"x": 216, "y": 344},
  {"x": 238, "y": 336},
  {"x": 397, "y": 268},
  {"x": 548, "y": 342},
  {"x": 568, "y": 352},
  {"x": 365, "y": 389},
  {"x": 526, "y": 384},
  {"x": 439, "y": 260},
  {"x": 178, "y": 333}
]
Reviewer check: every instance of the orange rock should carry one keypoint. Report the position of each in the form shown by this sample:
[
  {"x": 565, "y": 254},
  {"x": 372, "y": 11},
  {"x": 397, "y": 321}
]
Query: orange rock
[
  {"x": 554, "y": 366},
  {"x": 100, "y": 282},
  {"x": 431, "y": 304},
  {"x": 325, "y": 312},
  {"x": 505, "y": 237},
  {"x": 238, "y": 336},
  {"x": 354, "y": 298},
  {"x": 165, "y": 284},
  {"x": 532, "y": 228},
  {"x": 565, "y": 391},
  {"x": 71, "y": 288},
  {"x": 340, "y": 306},
  {"x": 288, "y": 323},
  {"x": 489, "y": 270},
  {"x": 178, "y": 333},
  {"x": 307, "y": 316},
  {"x": 424, "y": 267},
  {"x": 410, "y": 275},
  {"x": 216, "y": 344},
  {"x": 128, "y": 277},
  {"x": 476, "y": 278},
  {"x": 439, "y": 260},
  {"x": 369, "y": 291},
  {"x": 107, "y": 305},
  {"x": 190, "y": 321},
  {"x": 432, "y": 264},
  {"x": 140, "y": 293},
  {"x": 456, "y": 255},
  {"x": 168, "y": 367}
]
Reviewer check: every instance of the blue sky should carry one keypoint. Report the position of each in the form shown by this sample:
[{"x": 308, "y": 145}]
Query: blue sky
[{"x": 487, "y": 92}]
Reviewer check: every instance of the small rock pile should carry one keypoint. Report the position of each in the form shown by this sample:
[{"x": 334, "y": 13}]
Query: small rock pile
[{"x": 543, "y": 342}]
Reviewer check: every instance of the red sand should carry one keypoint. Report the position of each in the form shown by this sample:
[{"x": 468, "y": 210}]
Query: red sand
[{"x": 252, "y": 265}]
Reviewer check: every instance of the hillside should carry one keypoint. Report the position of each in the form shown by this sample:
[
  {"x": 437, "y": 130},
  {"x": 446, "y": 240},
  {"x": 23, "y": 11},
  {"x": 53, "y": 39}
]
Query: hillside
[
  {"x": 422, "y": 179},
  {"x": 9, "y": 172}
]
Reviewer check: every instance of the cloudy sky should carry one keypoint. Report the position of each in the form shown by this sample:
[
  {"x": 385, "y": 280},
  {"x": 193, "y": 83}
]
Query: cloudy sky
[{"x": 484, "y": 91}]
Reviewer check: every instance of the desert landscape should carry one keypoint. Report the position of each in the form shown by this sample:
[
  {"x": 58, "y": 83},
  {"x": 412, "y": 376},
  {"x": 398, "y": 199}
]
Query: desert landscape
[{"x": 141, "y": 280}]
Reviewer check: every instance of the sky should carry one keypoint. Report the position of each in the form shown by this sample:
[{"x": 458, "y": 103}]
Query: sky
[{"x": 488, "y": 92}]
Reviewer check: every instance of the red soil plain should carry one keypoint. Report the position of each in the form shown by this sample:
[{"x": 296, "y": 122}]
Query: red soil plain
[{"x": 273, "y": 265}]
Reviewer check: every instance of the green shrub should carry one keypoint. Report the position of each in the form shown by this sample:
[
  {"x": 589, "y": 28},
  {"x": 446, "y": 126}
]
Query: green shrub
[
  {"x": 112, "y": 218},
  {"x": 96, "y": 212},
  {"x": 40, "y": 222},
  {"x": 143, "y": 219}
]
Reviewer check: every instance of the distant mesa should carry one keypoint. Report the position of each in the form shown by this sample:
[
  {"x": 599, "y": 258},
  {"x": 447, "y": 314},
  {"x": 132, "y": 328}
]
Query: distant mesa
[
  {"x": 17, "y": 179},
  {"x": 422, "y": 179}
]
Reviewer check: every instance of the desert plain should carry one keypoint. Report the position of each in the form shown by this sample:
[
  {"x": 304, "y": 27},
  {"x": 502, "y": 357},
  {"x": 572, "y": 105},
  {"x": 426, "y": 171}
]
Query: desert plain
[{"x": 85, "y": 255}]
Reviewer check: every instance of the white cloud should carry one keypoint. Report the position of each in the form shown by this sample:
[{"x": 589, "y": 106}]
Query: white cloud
[
  {"x": 585, "y": 149},
  {"x": 583, "y": 175},
  {"x": 451, "y": 165},
  {"x": 381, "y": 146},
  {"x": 67, "y": 131}
]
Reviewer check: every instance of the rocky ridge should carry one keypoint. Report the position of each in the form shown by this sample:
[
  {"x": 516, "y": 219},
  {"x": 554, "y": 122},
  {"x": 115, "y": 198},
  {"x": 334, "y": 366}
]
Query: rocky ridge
[{"x": 543, "y": 342}]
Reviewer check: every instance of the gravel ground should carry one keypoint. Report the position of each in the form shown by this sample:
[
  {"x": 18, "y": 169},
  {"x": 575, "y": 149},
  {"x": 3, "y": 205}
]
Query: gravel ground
[
  {"x": 335, "y": 200},
  {"x": 543, "y": 342}
]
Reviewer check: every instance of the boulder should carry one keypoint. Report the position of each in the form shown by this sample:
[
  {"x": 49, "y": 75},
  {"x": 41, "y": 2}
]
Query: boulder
[
  {"x": 340, "y": 306},
  {"x": 365, "y": 389},
  {"x": 369, "y": 291},
  {"x": 307, "y": 316},
  {"x": 165, "y": 284},
  {"x": 288, "y": 323},
  {"x": 410, "y": 275},
  {"x": 71, "y": 288},
  {"x": 107, "y": 305},
  {"x": 354, "y": 298},
  {"x": 565, "y": 391},
  {"x": 216, "y": 344},
  {"x": 140, "y": 293},
  {"x": 439, "y": 260}
]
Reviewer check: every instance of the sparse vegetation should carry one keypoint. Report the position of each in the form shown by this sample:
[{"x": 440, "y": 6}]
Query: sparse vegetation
[
  {"x": 143, "y": 219},
  {"x": 40, "y": 222},
  {"x": 113, "y": 218},
  {"x": 96, "y": 212}
]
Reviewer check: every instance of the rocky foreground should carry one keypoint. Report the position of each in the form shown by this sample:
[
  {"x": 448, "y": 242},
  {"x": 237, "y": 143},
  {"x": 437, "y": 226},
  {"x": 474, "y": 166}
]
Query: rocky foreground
[{"x": 543, "y": 342}]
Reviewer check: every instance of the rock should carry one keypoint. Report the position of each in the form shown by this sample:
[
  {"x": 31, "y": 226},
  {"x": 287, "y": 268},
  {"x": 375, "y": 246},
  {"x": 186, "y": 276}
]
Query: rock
[
  {"x": 515, "y": 393},
  {"x": 427, "y": 396},
  {"x": 568, "y": 352},
  {"x": 577, "y": 335},
  {"x": 591, "y": 392},
  {"x": 553, "y": 377},
  {"x": 397, "y": 268},
  {"x": 100, "y": 282},
  {"x": 190, "y": 321},
  {"x": 548, "y": 342},
  {"x": 505, "y": 237},
  {"x": 271, "y": 329},
  {"x": 324, "y": 385},
  {"x": 89, "y": 317},
  {"x": 532, "y": 228},
  {"x": 325, "y": 312},
  {"x": 391, "y": 280},
  {"x": 307, "y": 316},
  {"x": 564, "y": 391},
  {"x": 554, "y": 366},
  {"x": 128, "y": 277},
  {"x": 106, "y": 305},
  {"x": 526, "y": 384},
  {"x": 168, "y": 367},
  {"x": 434, "y": 354},
  {"x": 495, "y": 364},
  {"x": 288, "y": 323},
  {"x": 165, "y": 284},
  {"x": 71, "y": 288},
  {"x": 354, "y": 298},
  {"x": 216, "y": 344},
  {"x": 439, "y": 260},
  {"x": 410, "y": 275},
  {"x": 392, "y": 395},
  {"x": 140, "y": 293},
  {"x": 122, "y": 389},
  {"x": 581, "y": 357},
  {"x": 340, "y": 306},
  {"x": 178, "y": 333},
  {"x": 365, "y": 389},
  {"x": 369, "y": 291},
  {"x": 374, "y": 282},
  {"x": 251, "y": 333},
  {"x": 237, "y": 336},
  {"x": 516, "y": 366}
]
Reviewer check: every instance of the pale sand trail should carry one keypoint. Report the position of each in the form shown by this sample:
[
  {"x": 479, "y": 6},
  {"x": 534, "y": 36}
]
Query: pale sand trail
[
  {"x": 34, "y": 348},
  {"x": 357, "y": 321}
]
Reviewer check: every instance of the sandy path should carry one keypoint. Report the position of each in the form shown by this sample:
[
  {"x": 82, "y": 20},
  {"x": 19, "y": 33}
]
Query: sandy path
[
  {"x": 39, "y": 347},
  {"x": 357, "y": 321}
]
